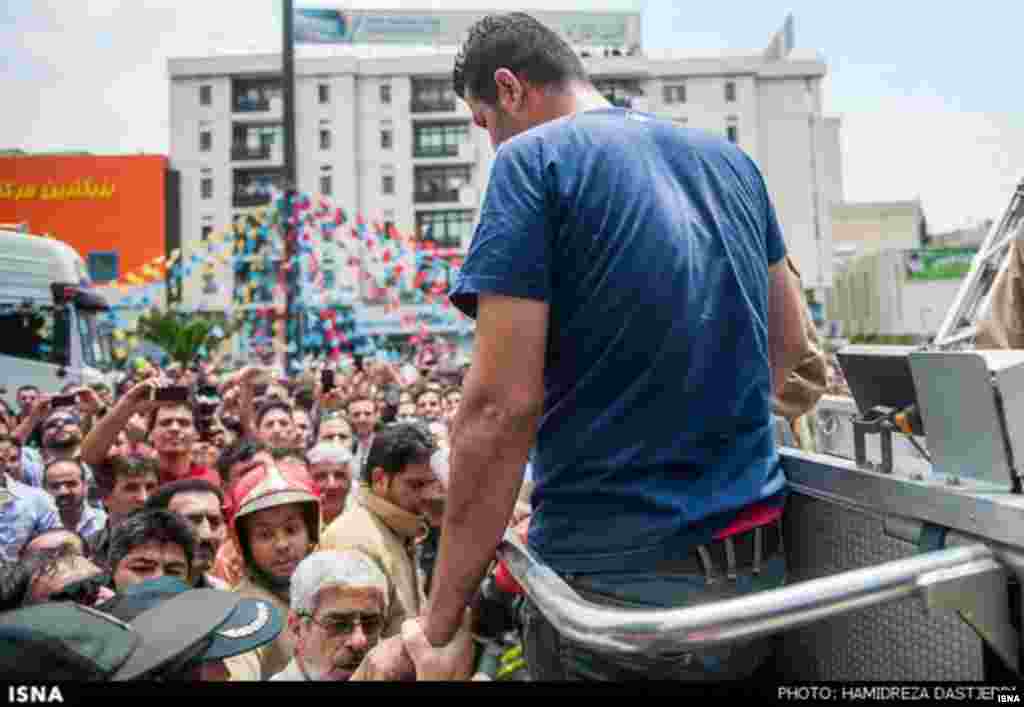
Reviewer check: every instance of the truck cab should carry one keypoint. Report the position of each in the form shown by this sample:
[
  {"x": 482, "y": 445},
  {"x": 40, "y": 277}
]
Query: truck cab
[{"x": 50, "y": 335}]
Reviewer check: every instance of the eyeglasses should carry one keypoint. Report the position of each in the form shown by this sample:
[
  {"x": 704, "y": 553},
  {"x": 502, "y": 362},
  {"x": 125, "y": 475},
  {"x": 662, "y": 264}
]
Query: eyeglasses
[{"x": 341, "y": 625}]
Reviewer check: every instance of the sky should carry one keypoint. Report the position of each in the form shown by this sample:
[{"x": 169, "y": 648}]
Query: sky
[{"x": 926, "y": 92}]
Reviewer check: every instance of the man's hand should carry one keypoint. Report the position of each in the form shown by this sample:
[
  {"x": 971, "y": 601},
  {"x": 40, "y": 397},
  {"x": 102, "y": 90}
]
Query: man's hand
[
  {"x": 387, "y": 662},
  {"x": 40, "y": 408},
  {"x": 88, "y": 401},
  {"x": 248, "y": 377},
  {"x": 453, "y": 661}
]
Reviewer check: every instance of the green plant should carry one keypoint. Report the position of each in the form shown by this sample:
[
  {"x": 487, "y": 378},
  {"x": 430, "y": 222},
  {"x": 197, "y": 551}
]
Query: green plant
[{"x": 182, "y": 336}]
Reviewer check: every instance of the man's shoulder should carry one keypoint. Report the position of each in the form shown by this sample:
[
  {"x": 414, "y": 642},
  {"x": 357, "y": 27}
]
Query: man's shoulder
[
  {"x": 355, "y": 529},
  {"x": 31, "y": 496}
]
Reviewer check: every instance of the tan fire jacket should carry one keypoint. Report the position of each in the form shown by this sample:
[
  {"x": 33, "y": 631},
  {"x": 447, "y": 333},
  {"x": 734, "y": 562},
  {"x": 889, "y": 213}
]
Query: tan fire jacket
[
  {"x": 387, "y": 534},
  {"x": 809, "y": 380},
  {"x": 1003, "y": 326}
]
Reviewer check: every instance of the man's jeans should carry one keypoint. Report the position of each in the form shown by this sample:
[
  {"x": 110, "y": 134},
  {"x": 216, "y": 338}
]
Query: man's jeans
[{"x": 550, "y": 656}]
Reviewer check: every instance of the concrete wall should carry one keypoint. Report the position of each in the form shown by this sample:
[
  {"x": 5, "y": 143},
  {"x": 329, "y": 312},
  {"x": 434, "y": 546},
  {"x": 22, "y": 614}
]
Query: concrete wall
[{"x": 877, "y": 227}]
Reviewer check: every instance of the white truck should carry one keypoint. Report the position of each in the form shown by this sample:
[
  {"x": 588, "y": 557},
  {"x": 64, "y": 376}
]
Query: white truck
[{"x": 50, "y": 335}]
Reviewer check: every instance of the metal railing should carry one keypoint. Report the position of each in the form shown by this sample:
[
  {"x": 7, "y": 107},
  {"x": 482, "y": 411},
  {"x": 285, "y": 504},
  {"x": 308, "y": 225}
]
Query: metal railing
[
  {"x": 244, "y": 152},
  {"x": 446, "y": 150},
  {"x": 419, "y": 106},
  {"x": 434, "y": 197},
  {"x": 759, "y": 614},
  {"x": 244, "y": 200}
]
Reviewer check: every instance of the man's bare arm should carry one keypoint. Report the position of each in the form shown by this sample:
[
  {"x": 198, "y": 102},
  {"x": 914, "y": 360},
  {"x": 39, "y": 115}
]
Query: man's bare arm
[
  {"x": 786, "y": 338},
  {"x": 103, "y": 435},
  {"x": 491, "y": 437}
]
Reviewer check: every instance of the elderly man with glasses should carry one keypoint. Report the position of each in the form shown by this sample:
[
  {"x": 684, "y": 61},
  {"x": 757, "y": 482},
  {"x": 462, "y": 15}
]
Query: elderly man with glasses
[{"x": 339, "y": 603}]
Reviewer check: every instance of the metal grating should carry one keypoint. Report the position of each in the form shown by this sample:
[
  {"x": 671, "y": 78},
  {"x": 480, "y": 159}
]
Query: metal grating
[{"x": 896, "y": 641}]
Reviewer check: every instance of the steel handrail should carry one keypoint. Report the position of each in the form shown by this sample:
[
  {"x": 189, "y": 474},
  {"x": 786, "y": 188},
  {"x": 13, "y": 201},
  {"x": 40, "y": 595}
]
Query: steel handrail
[{"x": 761, "y": 613}]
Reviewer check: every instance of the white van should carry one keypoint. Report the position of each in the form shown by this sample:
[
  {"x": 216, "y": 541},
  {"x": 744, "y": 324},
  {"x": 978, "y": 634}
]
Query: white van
[{"x": 49, "y": 334}]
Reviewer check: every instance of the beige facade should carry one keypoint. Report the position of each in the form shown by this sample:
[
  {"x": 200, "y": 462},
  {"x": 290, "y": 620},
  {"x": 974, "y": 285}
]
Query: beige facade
[{"x": 877, "y": 226}]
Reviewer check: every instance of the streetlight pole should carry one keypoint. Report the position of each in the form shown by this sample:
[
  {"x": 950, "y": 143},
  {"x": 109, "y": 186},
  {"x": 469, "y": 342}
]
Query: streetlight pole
[{"x": 291, "y": 186}]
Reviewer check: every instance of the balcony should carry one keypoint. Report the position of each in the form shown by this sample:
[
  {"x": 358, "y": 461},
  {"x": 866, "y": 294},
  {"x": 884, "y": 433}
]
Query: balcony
[
  {"x": 245, "y": 105},
  {"x": 242, "y": 152},
  {"x": 437, "y": 196},
  {"x": 245, "y": 200},
  {"x": 435, "y": 151},
  {"x": 421, "y": 106}
]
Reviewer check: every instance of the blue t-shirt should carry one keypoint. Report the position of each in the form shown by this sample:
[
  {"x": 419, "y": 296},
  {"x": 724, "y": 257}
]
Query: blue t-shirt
[{"x": 651, "y": 244}]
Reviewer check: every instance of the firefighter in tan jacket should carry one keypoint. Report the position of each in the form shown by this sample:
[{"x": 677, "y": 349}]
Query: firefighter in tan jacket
[
  {"x": 1003, "y": 326},
  {"x": 388, "y": 519},
  {"x": 808, "y": 381},
  {"x": 276, "y": 525}
]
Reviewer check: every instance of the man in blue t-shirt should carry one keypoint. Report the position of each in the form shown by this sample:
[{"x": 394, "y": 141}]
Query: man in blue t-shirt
[{"x": 634, "y": 316}]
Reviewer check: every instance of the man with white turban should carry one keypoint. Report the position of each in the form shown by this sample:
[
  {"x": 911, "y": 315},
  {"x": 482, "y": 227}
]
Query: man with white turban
[{"x": 339, "y": 607}]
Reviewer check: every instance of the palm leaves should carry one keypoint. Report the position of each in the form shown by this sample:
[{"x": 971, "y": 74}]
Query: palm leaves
[{"x": 182, "y": 337}]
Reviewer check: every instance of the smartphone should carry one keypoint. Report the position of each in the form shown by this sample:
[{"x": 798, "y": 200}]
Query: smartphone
[
  {"x": 172, "y": 394},
  {"x": 63, "y": 401},
  {"x": 327, "y": 379}
]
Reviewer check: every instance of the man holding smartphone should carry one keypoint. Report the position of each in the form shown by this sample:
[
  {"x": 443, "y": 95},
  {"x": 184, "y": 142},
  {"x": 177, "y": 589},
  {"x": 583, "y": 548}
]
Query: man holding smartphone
[{"x": 171, "y": 430}]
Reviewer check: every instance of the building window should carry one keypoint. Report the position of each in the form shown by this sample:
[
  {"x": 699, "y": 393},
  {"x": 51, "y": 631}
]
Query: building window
[
  {"x": 326, "y": 186},
  {"x": 733, "y": 133},
  {"x": 387, "y": 184},
  {"x": 445, "y": 228},
  {"x": 440, "y": 184},
  {"x": 206, "y": 188},
  {"x": 205, "y": 140},
  {"x": 255, "y": 187},
  {"x": 103, "y": 266},
  {"x": 255, "y": 95},
  {"x": 205, "y": 95},
  {"x": 205, "y": 234},
  {"x": 730, "y": 91},
  {"x": 385, "y": 93},
  {"x": 255, "y": 142},
  {"x": 439, "y": 139},
  {"x": 432, "y": 96},
  {"x": 209, "y": 283},
  {"x": 325, "y": 139},
  {"x": 675, "y": 93},
  {"x": 324, "y": 93},
  {"x": 386, "y": 138}
]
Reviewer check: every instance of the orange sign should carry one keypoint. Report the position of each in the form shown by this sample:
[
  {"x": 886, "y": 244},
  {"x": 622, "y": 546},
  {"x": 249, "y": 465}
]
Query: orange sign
[{"x": 92, "y": 203}]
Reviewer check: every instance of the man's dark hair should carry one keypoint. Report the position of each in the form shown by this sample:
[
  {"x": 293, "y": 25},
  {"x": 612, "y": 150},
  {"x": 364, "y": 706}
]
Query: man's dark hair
[
  {"x": 241, "y": 451},
  {"x": 359, "y": 397},
  {"x": 268, "y": 407},
  {"x": 24, "y": 553},
  {"x": 113, "y": 468},
  {"x": 162, "y": 498},
  {"x": 10, "y": 439},
  {"x": 519, "y": 43},
  {"x": 396, "y": 446},
  {"x": 146, "y": 526},
  {"x": 23, "y": 388},
  {"x": 55, "y": 462},
  {"x": 151, "y": 423}
]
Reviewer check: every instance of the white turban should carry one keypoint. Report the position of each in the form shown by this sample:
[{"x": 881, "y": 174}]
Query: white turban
[{"x": 334, "y": 568}]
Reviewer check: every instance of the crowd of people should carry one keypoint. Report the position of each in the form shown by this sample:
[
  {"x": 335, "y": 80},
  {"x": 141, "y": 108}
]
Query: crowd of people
[{"x": 307, "y": 508}]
